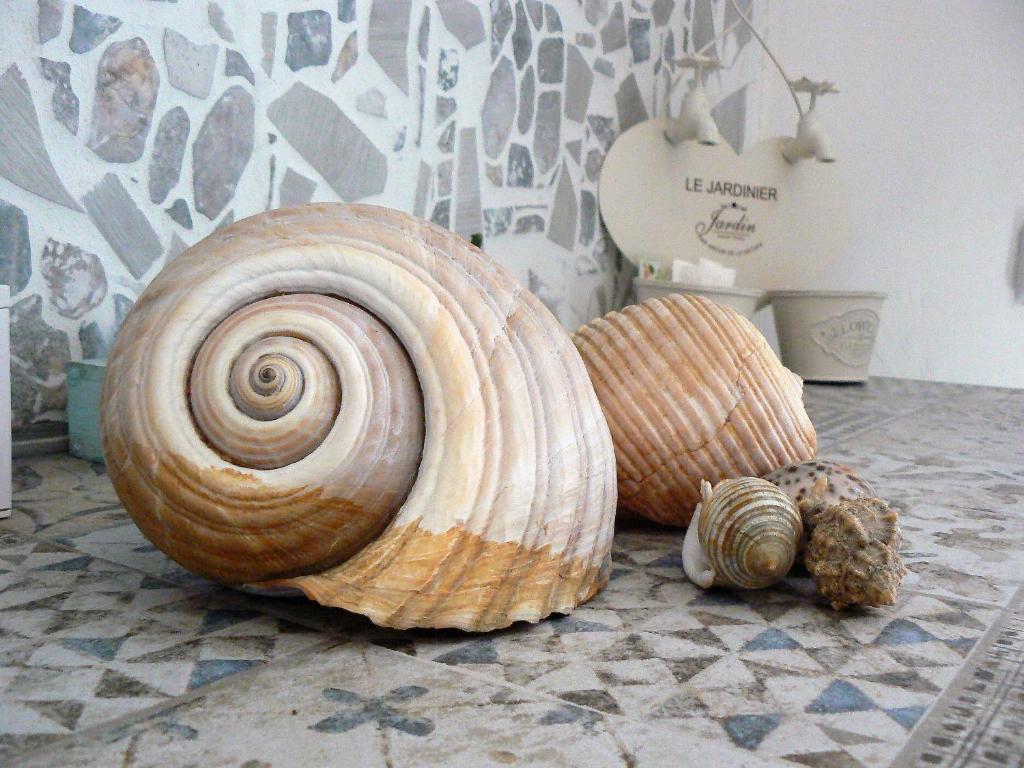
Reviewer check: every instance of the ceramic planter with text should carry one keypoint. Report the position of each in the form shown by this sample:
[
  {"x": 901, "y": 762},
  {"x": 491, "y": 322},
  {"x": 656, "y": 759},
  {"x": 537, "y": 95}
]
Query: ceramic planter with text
[
  {"x": 827, "y": 335},
  {"x": 746, "y": 301}
]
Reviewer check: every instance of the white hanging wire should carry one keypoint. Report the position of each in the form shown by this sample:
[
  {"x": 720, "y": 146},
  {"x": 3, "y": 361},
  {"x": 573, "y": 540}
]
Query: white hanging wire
[{"x": 764, "y": 45}]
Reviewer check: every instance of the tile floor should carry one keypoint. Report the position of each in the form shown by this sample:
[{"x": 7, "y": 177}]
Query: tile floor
[{"x": 111, "y": 654}]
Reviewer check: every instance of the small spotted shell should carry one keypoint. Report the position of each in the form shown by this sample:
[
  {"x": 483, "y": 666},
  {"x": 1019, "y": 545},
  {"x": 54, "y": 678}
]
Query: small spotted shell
[
  {"x": 802, "y": 481},
  {"x": 817, "y": 485},
  {"x": 744, "y": 533}
]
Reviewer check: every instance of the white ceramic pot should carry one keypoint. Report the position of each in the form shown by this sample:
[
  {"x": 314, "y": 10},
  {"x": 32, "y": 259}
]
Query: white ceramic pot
[
  {"x": 827, "y": 335},
  {"x": 746, "y": 301}
]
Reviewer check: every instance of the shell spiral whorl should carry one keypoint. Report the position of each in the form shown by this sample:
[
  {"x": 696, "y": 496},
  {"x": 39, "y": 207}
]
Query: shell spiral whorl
[
  {"x": 353, "y": 402},
  {"x": 748, "y": 530}
]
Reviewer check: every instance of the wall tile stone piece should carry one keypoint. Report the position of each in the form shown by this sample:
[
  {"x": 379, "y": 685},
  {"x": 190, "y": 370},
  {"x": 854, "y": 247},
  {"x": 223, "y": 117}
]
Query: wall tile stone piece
[
  {"x": 554, "y": 21},
  {"x": 423, "y": 36},
  {"x": 579, "y": 81},
  {"x": 309, "y": 39},
  {"x": 75, "y": 278},
  {"x": 330, "y": 142},
  {"x": 495, "y": 174},
  {"x": 168, "y": 152},
  {"x": 235, "y": 65},
  {"x": 603, "y": 128},
  {"x": 90, "y": 29},
  {"x": 447, "y": 69},
  {"x": 268, "y": 40},
  {"x": 123, "y": 225},
  {"x": 535, "y": 8},
  {"x": 51, "y": 17},
  {"x": 629, "y": 104},
  {"x": 215, "y": 15},
  {"x": 613, "y": 33},
  {"x": 551, "y": 60},
  {"x": 588, "y": 217},
  {"x": 605, "y": 67},
  {"x": 730, "y": 113},
  {"x": 372, "y": 102},
  {"x": 39, "y": 363},
  {"x": 126, "y": 87},
  {"x": 520, "y": 166},
  {"x": 529, "y": 223},
  {"x": 497, "y": 221},
  {"x": 180, "y": 213},
  {"x": 386, "y": 39},
  {"x": 574, "y": 148},
  {"x": 64, "y": 101},
  {"x": 522, "y": 38},
  {"x": 445, "y": 177},
  {"x": 527, "y": 97},
  {"x": 639, "y": 39},
  {"x": 661, "y": 11},
  {"x": 446, "y": 143},
  {"x": 347, "y": 57},
  {"x": 499, "y": 108},
  {"x": 467, "y": 189},
  {"x": 703, "y": 24},
  {"x": 564, "y": 212},
  {"x": 593, "y": 164},
  {"x": 97, "y": 337},
  {"x": 346, "y": 11},
  {"x": 595, "y": 10},
  {"x": 189, "y": 66},
  {"x": 176, "y": 248},
  {"x": 547, "y": 135},
  {"x": 295, "y": 189},
  {"x": 422, "y": 190},
  {"x": 24, "y": 159},
  {"x": 15, "y": 248},
  {"x": 501, "y": 23},
  {"x": 444, "y": 107},
  {"x": 442, "y": 213},
  {"x": 221, "y": 150},
  {"x": 463, "y": 20},
  {"x": 585, "y": 40}
]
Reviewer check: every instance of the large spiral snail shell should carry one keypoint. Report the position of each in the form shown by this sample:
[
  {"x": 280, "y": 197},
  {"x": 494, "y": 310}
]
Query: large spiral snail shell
[
  {"x": 744, "y": 533},
  {"x": 691, "y": 391},
  {"x": 353, "y": 402}
]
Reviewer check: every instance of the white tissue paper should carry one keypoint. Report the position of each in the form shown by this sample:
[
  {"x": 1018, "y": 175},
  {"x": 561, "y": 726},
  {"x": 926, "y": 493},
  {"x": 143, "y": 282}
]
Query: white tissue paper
[
  {"x": 711, "y": 273},
  {"x": 684, "y": 272}
]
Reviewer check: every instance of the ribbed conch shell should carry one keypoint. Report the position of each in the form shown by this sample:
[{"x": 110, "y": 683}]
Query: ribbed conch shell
[
  {"x": 361, "y": 405},
  {"x": 854, "y": 554},
  {"x": 817, "y": 485},
  {"x": 744, "y": 533},
  {"x": 692, "y": 392}
]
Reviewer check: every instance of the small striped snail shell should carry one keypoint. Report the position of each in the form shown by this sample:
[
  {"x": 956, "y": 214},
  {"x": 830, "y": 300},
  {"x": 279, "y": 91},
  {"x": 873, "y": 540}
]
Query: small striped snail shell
[{"x": 744, "y": 533}]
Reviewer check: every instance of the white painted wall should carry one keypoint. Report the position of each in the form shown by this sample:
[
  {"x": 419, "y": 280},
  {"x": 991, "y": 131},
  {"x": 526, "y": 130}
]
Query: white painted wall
[{"x": 929, "y": 128}]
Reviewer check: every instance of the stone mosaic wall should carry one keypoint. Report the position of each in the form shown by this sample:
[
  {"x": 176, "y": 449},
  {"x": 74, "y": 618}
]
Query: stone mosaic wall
[{"x": 129, "y": 130}]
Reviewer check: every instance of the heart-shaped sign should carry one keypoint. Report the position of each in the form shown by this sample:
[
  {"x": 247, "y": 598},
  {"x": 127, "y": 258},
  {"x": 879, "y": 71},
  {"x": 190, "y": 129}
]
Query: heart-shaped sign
[{"x": 778, "y": 224}]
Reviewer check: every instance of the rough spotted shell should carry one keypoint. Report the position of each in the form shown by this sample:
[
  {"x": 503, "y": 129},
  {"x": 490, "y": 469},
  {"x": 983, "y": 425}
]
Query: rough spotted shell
[
  {"x": 853, "y": 555},
  {"x": 744, "y": 534},
  {"x": 361, "y": 405},
  {"x": 692, "y": 392}
]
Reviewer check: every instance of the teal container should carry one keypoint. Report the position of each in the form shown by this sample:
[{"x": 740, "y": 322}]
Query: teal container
[{"x": 85, "y": 379}]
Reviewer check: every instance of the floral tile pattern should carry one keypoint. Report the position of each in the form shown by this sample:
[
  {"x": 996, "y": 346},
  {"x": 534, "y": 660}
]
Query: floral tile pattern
[{"x": 109, "y": 650}]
